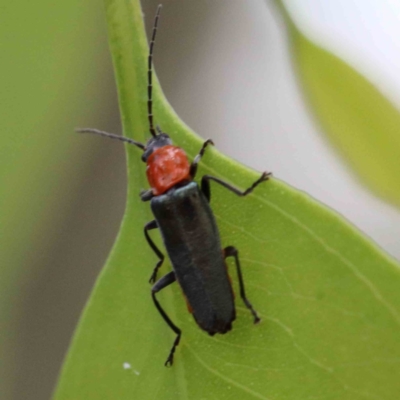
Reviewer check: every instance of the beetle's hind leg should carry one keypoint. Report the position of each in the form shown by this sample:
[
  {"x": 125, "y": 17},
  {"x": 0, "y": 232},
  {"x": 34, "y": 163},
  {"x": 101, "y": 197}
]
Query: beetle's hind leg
[
  {"x": 231, "y": 251},
  {"x": 165, "y": 281},
  {"x": 149, "y": 226}
]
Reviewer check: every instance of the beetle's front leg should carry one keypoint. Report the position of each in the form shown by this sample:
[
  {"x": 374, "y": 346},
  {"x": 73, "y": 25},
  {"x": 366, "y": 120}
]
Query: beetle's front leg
[
  {"x": 149, "y": 226},
  {"x": 146, "y": 195},
  {"x": 193, "y": 167}
]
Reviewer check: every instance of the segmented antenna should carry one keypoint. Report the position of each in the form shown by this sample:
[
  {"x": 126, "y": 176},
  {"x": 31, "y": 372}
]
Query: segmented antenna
[
  {"x": 110, "y": 135},
  {"x": 150, "y": 74}
]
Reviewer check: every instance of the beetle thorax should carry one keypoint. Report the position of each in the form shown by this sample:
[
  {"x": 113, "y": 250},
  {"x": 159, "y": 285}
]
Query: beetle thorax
[{"x": 166, "y": 167}]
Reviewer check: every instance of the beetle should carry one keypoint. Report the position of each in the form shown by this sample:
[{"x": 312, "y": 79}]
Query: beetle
[{"x": 188, "y": 228}]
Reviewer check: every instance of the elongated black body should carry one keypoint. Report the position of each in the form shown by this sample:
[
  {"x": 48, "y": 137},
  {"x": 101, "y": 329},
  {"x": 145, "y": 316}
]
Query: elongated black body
[
  {"x": 191, "y": 238},
  {"x": 187, "y": 225}
]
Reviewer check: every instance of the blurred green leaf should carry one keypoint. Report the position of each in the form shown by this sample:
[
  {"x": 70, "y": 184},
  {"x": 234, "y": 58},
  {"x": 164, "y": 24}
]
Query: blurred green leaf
[
  {"x": 41, "y": 71},
  {"x": 362, "y": 123},
  {"x": 328, "y": 298}
]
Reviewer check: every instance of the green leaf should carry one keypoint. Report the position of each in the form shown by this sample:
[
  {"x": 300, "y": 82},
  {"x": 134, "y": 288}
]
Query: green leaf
[
  {"x": 41, "y": 162},
  {"x": 328, "y": 298},
  {"x": 361, "y": 122}
]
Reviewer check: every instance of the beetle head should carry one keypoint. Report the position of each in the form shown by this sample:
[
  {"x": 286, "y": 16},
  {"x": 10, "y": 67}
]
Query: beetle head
[{"x": 154, "y": 143}]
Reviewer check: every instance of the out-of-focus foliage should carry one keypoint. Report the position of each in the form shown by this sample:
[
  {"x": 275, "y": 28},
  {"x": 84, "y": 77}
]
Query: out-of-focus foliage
[
  {"x": 328, "y": 297},
  {"x": 42, "y": 71},
  {"x": 363, "y": 125}
]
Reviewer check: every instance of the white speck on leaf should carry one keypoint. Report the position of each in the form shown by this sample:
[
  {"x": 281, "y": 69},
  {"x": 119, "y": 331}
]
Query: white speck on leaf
[{"x": 126, "y": 365}]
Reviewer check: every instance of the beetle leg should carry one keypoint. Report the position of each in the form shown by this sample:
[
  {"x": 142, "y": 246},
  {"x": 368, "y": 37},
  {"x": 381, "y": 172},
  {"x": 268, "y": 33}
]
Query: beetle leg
[
  {"x": 165, "y": 281},
  {"x": 231, "y": 251},
  {"x": 205, "y": 185},
  {"x": 146, "y": 195},
  {"x": 193, "y": 167},
  {"x": 149, "y": 226}
]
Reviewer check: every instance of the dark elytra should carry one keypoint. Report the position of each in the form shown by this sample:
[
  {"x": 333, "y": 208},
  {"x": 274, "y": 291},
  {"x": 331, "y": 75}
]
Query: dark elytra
[{"x": 190, "y": 234}]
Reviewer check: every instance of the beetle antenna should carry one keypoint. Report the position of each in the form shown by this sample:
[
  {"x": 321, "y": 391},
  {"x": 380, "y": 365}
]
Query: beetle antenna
[
  {"x": 150, "y": 74},
  {"x": 111, "y": 136}
]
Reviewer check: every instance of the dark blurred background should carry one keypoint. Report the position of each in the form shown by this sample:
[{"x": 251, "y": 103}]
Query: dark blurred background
[{"x": 226, "y": 69}]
